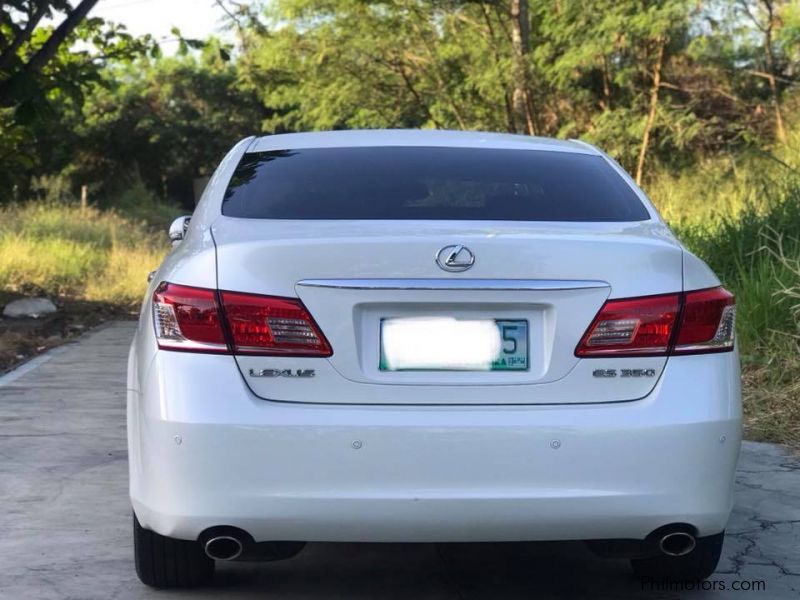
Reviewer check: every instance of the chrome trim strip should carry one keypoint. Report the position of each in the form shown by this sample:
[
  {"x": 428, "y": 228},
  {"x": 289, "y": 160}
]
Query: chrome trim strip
[{"x": 455, "y": 284}]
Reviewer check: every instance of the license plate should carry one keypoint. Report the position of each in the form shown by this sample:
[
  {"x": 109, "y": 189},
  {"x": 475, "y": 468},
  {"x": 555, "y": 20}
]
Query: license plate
[{"x": 449, "y": 344}]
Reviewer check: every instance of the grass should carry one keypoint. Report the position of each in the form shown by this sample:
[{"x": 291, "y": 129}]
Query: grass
[
  {"x": 742, "y": 218},
  {"x": 92, "y": 263},
  {"x": 94, "y": 255},
  {"x": 752, "y": 253}
]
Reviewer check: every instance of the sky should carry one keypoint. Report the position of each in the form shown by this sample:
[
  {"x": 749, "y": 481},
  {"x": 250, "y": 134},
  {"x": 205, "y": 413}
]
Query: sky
[{"x": 195, "y": 18}]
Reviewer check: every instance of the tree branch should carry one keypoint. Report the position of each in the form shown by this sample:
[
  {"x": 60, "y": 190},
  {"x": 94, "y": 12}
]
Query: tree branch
[
  {"x": 45, "y": 54},
  {"x": 50, "y": 47},
  {"x": 39, "y": 9},
  {"x": 766, "y": 75}
]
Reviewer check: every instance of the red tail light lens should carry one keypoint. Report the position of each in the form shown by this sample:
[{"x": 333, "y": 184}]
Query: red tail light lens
[
  {"x": 631, "y": 327},
  {"x": 187, "y": 318},
  {"x": 707, "y": 322},
  {"x": 687, "y": 323},
  {"x": 268, "y": 325},
  {"x": 193, "y": 320}
]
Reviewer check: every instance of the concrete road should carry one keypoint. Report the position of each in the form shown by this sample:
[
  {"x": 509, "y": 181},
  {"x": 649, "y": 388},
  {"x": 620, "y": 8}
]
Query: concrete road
[{"x": 65, "y": 518}]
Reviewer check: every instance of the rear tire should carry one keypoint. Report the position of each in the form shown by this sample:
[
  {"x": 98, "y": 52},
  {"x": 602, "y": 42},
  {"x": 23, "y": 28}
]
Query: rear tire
[
  {"x": 164, "y": 562},
  {"x": 700, "y": 563}
]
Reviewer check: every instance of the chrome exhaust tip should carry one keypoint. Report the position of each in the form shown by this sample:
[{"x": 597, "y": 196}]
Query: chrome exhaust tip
[
  {"x": 677, "y": 543},
  {"x": 223, "y": 547}
]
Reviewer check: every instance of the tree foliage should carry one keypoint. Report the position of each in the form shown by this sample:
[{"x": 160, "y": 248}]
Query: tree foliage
[
  {"x": 185, "y": 107},
  {"x": 21, "y": 63},
  {"x": 588, "y": 73},
  {"x": 45, "y": 82},
  {"x": 658, "y": 84}
]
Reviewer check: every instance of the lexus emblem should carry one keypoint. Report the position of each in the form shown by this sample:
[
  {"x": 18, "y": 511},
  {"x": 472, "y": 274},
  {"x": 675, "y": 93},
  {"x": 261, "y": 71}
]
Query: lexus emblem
[{"x": 455, "y": 258}]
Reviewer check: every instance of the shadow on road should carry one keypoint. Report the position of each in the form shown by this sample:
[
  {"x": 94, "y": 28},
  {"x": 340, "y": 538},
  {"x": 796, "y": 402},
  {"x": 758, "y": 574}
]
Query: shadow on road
[{"x": 520, "y": 570}]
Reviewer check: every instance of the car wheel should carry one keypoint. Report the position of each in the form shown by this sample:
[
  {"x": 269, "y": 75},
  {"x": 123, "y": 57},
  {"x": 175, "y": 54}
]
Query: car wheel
[
  {"x": 165, "y": 562},
  {"x": 700, "y": 563}
]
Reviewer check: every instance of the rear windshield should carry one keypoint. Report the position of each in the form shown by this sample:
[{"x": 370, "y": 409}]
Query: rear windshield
[{"x": 429, "y": 183}]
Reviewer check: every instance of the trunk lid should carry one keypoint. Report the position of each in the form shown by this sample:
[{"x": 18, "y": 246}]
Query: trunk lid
[{"x": 353, "y": 274}]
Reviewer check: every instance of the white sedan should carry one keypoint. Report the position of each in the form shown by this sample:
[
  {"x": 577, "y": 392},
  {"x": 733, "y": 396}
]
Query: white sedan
[{"x": 429, "y": 336}]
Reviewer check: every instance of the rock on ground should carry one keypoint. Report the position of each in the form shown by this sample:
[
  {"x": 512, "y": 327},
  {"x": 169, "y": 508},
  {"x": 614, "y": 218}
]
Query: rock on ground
[{"x": 29, "y": 307}]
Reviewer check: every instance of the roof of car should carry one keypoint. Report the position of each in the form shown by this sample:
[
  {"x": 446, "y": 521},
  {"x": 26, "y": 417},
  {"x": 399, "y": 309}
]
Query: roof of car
[{"x": 414, "y": 137}]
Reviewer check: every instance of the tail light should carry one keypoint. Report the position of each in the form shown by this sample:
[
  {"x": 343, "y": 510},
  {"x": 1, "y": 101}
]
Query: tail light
[
  {"x": 187, "y": 318},
  {"x": 686, "y": 323},
  {"x": 270, "y": 325},
  {"x": 202, "y": 320},
  {"x": 632, "y": 327},
  {"x": 708, "y": 322}
]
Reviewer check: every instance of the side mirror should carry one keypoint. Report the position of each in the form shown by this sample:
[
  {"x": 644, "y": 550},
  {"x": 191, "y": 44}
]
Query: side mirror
[{"x": 177, "y": 231}]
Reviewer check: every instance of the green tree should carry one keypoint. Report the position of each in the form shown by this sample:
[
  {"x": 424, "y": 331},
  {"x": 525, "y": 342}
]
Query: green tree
[
  {"x": 765, "y": 16},
  {"x": 19, "y": 70},
  {"x": 402, "y": 63},
  {"x": 608, "y": 65},
  {"x": 661, "y": 83},
  {"x": 38, "y": 127},
  {"x": 167, "y": 120}
]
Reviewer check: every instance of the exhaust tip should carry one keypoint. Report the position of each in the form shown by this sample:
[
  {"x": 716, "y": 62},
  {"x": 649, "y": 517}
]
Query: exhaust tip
[
  {"x": 677, "y": 543},
  {"x": 223, "y": 547}
]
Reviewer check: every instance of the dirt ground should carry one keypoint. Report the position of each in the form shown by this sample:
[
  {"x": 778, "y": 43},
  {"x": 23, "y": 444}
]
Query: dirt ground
[{"x": 23, "y": 339}]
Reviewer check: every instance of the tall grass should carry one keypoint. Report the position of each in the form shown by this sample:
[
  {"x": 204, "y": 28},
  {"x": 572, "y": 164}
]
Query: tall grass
[
  {"x": 745, "y": 223},
  {"x": 59, "y": 249},
  {"x": 752, "y": 253},
  {"x": 746, "y": 226}
]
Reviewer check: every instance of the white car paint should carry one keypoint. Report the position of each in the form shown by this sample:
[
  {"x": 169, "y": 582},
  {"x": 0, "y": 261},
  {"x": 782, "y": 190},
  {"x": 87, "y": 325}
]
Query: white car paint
[{"x": 355, "y": 454}]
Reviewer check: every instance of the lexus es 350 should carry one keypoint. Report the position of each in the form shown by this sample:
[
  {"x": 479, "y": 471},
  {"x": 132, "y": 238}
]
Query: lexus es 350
[{"x": 429, "y": 336}]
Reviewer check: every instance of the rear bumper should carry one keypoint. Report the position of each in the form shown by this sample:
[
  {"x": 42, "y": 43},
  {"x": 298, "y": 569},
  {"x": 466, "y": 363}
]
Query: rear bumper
[{"x": 206, "y": 452}]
